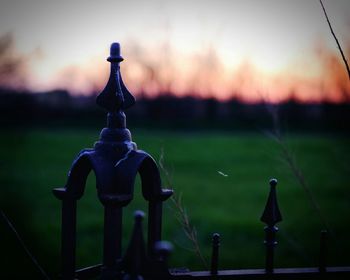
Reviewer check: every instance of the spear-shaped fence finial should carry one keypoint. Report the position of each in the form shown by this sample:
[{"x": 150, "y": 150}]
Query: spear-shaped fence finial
[
  {"x": 115, "y": 97},
  {"x": 271, "y": 216},
  {"x": 135, "y": 257}
]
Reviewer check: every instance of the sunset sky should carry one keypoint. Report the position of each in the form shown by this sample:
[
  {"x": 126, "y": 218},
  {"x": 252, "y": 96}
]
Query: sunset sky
[{"x": 252, "y": 49}]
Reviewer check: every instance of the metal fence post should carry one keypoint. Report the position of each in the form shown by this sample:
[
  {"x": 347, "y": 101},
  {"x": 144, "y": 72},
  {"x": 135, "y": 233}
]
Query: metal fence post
[
  {"x": 154, "y": 224},
  {"x": 215, "y": 254},
  {"x": 68, "y": 233}
]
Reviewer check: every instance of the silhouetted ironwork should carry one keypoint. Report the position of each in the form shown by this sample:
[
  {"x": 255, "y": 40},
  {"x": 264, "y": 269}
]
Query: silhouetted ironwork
[
  {"x": 116, "y": 161},
  {"x": 215, "y": 254},
  {"x": 136, "y": 264},
  {"x": 271, "y": 216}
]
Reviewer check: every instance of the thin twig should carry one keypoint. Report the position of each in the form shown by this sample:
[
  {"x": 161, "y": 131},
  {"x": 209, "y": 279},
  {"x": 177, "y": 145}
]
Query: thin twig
[
  {"x": 298, "y": 174},
  {"x": 289, "y": 159},
  {"x": 189, "y": 230},
  {"x": 25, "y": 248},
  {"x": 181, "y": 215},
  {"x": 336, "y": 40}
]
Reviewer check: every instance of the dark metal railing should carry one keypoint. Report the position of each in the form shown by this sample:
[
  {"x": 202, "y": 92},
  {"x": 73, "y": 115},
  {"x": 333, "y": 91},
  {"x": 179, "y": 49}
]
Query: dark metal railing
[{"x": 116, "y": 161}]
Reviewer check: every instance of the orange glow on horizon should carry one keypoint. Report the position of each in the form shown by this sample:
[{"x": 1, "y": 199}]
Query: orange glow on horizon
[
  {"x": 253, "y": 50},
  {"x": 152, "y": 72},
  {"x": 205, "y": 75}
]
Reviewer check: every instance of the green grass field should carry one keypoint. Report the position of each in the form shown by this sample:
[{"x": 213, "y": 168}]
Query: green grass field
[{"x": 35, "y": 161}]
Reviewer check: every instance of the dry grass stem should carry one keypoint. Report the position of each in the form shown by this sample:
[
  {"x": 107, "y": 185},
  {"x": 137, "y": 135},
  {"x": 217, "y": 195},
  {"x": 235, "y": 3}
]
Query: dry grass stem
[
  {"x": 290, "y": 160},
  {"x": 288, "y": 157},
  {"x": 181, "y": 215}
]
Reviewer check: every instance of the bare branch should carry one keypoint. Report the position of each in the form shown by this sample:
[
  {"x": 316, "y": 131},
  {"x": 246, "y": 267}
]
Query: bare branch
[{"x": 336, "y": 40}]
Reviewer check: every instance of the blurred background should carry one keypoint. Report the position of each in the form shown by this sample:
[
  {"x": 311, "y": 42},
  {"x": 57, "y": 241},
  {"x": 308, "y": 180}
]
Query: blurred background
[{"x": 229, "y": 94}]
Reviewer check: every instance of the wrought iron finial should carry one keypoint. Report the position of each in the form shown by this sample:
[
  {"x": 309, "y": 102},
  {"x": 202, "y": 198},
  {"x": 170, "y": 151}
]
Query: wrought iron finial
[
  {"x": 272, "y": 214},
  {"x": 163, "y": 250},
  {"x": 115, "y": 96},
  {"x": 135, "y": 256},
  {"x": 270, "y": 217},
  {"x": 159, "y": 266},
  {"x": 115, "y": 53},
  {"x": 115, "y": 161}
]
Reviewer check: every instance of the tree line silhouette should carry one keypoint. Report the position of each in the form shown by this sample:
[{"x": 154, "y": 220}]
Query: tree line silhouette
[{"x": 168, "y": 111}]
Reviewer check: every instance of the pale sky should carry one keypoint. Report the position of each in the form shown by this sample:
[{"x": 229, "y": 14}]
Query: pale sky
[{"x": 273, "y": 41}]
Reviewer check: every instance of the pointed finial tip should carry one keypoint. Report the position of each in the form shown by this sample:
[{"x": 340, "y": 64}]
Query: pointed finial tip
[
  {"x": 273, "y": 182},
  {"x": 163, "y": 247},
  {"x": 216, "y": 236},
  {"x": 115, "y": 53},
  {"x": 271, "y": 214},
  {"x": 216, "y": 239},
  {"x": 139, "y": 215}
]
